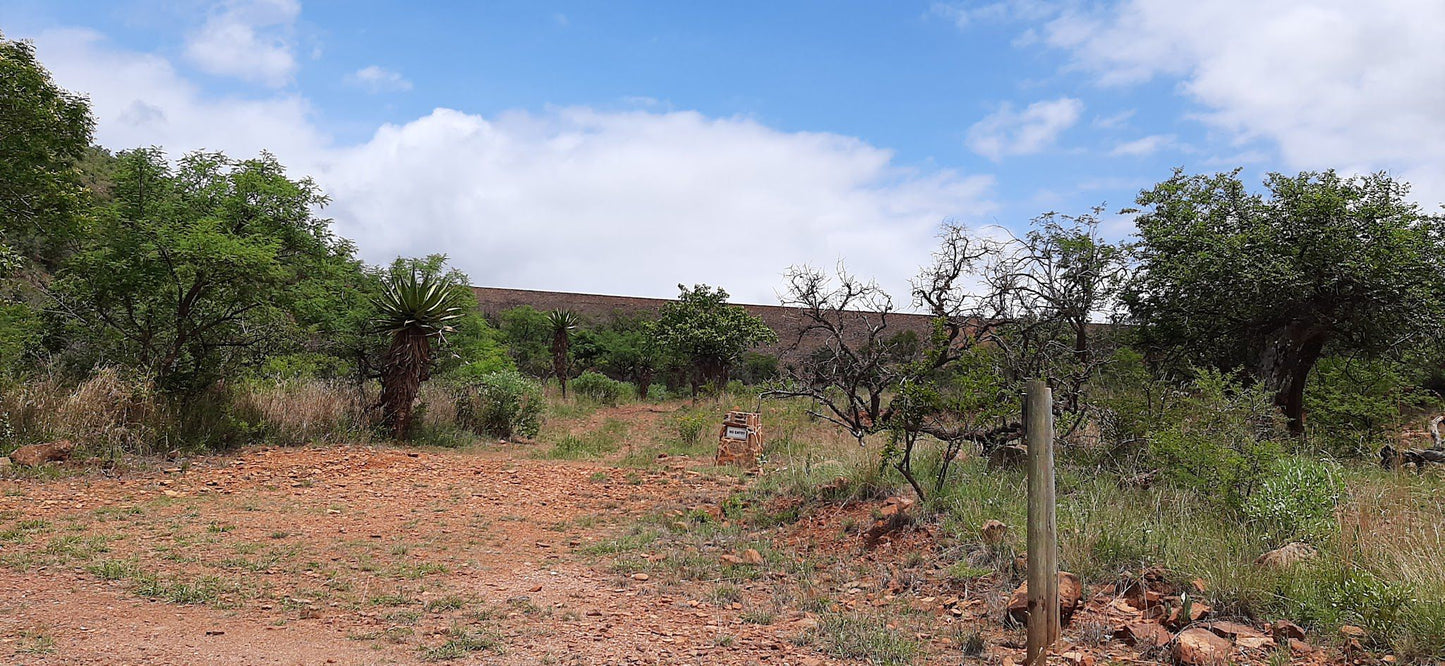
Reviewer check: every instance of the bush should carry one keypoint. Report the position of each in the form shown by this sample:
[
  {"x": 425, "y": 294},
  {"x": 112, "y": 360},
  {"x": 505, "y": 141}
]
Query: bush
[
  {"x": 501, "y": 404},
  {"x": 1297, "y": 500},
  {"x": 1353, "y": 405},
  {"x": 600, "y": 388},
  {"x": 1221, "y": 444},
  {"x": 689, "y": 426}
]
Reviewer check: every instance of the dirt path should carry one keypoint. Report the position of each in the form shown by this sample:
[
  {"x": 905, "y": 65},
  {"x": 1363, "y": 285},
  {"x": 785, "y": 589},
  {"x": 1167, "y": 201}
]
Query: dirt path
[{"x": 355, "y": 555}]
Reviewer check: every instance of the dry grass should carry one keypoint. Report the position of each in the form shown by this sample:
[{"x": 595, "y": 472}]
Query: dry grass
[
  {"x": 307, "y": 410},
  {"x": 1391, "y": 524}
]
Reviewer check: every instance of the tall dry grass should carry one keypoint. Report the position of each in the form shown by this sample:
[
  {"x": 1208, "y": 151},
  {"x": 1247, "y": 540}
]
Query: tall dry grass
[{"x": 298, "y": 411}]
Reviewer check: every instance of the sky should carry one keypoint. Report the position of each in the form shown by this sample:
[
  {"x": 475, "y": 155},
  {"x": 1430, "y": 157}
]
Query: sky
[{"x": 627, "y": 147}]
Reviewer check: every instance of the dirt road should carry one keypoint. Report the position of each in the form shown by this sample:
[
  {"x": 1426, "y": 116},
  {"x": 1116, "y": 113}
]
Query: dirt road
[{"x": 355, "y": 555}]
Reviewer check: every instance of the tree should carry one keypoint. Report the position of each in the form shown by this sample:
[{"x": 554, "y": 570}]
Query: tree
[
  {"x": 622, "y": 349},
  {"x": 414, "y": 308},
  {"x": 44, "y": 130},
  {"x": 528, "y": 336},
  {"x": 1003, "y": 313},
  {"x": 707, "y": 334},
  {"x": 562, "y": 323},
  {"x": 1272, "y": 281},
  {"x": 193, "y": 270}
]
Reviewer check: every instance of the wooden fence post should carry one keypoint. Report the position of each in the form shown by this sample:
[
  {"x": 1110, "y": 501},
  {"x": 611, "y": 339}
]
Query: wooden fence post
[{"x": 1043, "y": 561}]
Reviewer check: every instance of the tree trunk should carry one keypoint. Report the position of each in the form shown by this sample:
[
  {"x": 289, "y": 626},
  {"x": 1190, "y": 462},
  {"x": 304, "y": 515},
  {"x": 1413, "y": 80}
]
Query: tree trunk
[
  {"x": 559, "y": 359},
  {"x": 1285, "y": 364},
  {"x": 401, "y": 376}
]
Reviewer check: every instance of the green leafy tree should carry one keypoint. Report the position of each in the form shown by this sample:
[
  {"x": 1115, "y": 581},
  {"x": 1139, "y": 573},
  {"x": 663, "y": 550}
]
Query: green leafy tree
[
  {"x": 44, "y": 130},
  {"x": 528, "y": 336},
  {"x": 622, "y": 349},
  {"x": 707, "y": 334},
  {"x": 416, "y": 307},
  {"x": 562, "y": 323},
  {"x": 193, "y": 270},
  {"x": 1272, "y": 281}
]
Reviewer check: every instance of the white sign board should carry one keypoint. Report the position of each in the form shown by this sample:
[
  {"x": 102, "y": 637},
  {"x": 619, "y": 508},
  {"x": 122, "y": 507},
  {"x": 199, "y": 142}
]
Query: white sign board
[{"x": 737, "y": 432}]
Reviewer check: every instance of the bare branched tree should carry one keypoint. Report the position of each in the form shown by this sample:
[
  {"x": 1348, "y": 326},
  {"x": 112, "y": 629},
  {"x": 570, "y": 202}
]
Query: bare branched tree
[{"x": 1003, "y": 311}]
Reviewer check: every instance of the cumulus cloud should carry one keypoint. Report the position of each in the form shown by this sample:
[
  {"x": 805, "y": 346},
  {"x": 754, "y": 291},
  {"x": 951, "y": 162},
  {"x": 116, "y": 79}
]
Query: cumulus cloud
[
  {"x": 1334, "y": 84},
  {"x": 377, "y": 79},
  {"x": 247, "y": 39},
  {"x": 1022, "y": 132},
  {"x": 624, "y": 202},
  {"x": 634, "y": 202},
  {"x": 1143, "y": 146},
  {"x": 140, "y": 99}
]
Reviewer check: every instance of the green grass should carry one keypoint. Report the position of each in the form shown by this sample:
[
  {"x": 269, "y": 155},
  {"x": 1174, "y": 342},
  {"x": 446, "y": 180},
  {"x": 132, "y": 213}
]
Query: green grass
[
  {"x": 592, "y": 444},
  {"x": 867, "y": 637},
  {"x": 462, "y": 642}
]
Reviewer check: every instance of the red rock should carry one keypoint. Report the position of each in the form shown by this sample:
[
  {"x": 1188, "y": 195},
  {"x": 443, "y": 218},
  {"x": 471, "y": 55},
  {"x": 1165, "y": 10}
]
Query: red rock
[
  {"x": 993, "y": 532},
  {"x": 1144, "y": 634},
  {"x": 1201, "y": 647},
  {"x": 1286, "y": 630},
  {"x": 1229, "y": 629},
  {"x": 36, "y": 454},
  {"x": 1071, "y": 594}
]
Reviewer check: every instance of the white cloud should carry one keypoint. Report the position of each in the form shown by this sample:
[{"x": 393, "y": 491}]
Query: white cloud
[
  {"x": 1035, "y": 128},
  {"x": 377, "y": 79},
  {"x": 1143, "y": 146},
  {"x": 141, "y": 100},
  {"x": 247, "y": 39},
  {"x": 1333, "y": 83},
  {"x": 635, "y": 202},
  {"x": 625, "y": 202}
]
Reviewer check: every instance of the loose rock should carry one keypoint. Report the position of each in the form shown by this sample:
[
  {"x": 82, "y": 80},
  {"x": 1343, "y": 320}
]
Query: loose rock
[
  {"x": 1287, "y": 555},
  {"x": 37, "y": 454},
  {"x": 1144, "y": 635},
  {"x": 993, "y": 532},
  {"x": 1071, "y": 594},
  {"x": 1201, "y": 647}
]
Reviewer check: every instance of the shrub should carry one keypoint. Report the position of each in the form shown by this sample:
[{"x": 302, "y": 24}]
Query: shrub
[
  {"x": 600, "y": 388},
  {"x": 501, "y": 404},
  {"x": 689, "y": 426},
  {"x": 1297, "y": 500},
  {"x": 1353, "y": 404},
  {"x": 1221, "y": 444}
]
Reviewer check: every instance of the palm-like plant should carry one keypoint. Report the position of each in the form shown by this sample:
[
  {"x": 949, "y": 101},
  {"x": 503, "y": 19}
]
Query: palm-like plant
[
  {"x": 563, "y": 322},
  {"x": 413, "y": 309}
]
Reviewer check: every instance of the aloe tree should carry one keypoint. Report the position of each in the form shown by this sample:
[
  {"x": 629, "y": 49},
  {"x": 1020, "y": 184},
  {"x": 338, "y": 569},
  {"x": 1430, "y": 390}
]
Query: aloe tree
[
  {"x": 563, "y": 322},
  {"x": 414, "y": 308}
]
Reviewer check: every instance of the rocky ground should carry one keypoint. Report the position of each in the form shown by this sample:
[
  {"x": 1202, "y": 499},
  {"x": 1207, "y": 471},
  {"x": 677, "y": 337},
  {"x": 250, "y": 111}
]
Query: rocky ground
[{"x": 380, "y": 555}]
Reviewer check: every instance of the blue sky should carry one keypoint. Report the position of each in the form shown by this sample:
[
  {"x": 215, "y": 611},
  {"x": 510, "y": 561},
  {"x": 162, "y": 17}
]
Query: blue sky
[{"x": 625, "y": 147}]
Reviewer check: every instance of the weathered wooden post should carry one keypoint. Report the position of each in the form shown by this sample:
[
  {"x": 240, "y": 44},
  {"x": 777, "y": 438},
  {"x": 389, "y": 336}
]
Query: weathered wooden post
[{"x": 1043, "y": 563}]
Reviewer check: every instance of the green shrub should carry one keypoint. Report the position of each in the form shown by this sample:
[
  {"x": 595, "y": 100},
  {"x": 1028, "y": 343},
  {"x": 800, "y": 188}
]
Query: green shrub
[
  {"x": 1353, "y": 405},
  {"x": 600, "y": 388},
  {"x": 1297, "y": 500},
  {"x": 690, "y": 426},
  {"x": 501, "y": 404},
  {"x": 1221, "y": 443}
]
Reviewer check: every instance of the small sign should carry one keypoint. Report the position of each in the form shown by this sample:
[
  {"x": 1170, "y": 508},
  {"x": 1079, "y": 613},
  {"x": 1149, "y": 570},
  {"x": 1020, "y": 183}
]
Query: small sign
[{"x": 737, "y": 432}]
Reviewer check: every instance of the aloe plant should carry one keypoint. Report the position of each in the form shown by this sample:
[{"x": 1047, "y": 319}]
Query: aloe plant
[
  {"x": 415, "y": 309},
  {"x": 563, "y": 322}
]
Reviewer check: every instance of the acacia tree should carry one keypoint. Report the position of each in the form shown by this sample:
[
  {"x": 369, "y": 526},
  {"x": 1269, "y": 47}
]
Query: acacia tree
[
  {"x": 1272, "y": 281},
  {"x": 562, "y": 323},
  {"x": 190, "y": 271},
  {"x": 1003, "y": 312},
  {"x": 44, "y": 130},
  {"x": 707, "y": 334}
]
